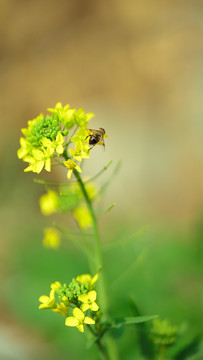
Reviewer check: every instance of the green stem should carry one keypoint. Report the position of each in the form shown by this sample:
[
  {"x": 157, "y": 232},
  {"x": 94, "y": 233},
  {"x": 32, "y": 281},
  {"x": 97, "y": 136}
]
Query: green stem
[
  {"x": 102, "y": 350},
  {"x": 98, "y": 263},
  {"x": 162, "y": 353},
  {"x": 111, "y": 347},
  {"x": 98, "y": 252}
]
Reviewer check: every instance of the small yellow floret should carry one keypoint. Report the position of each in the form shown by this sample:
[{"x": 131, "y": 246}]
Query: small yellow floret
[
  {"x": 71, "y": 165},
  {"x": 87, "y": 278},
  {"x": 88, "y": 301},
  {"x": 51, "y": 238},
  {"x": 79, "y": 320},
  {"x": 83, "y": 217},
  {"x": 49, "y": 203}
]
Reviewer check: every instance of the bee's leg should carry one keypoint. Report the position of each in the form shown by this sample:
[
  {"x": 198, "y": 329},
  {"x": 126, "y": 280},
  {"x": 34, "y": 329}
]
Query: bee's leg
[{"x": 103, "y": 143}]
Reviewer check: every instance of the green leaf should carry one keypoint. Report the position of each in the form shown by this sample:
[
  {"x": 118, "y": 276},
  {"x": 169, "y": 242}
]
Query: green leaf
[
  {"x": 125, "y": 241},
  {"x": 131, "y": 320}
]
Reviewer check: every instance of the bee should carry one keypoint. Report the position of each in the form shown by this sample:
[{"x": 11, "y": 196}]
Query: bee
[{"x": 96, "y": 137}]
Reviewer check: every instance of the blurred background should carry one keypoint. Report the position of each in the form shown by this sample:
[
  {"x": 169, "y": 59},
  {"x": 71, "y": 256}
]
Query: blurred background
[{"x": 138, "y": 66}]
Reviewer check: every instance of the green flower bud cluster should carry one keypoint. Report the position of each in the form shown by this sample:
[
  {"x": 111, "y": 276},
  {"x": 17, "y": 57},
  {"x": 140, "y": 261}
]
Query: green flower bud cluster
[
  {"x": 163, "y": 333},
  {"x": 47, "y": 127},
  {"x": 72, "y": 291}
]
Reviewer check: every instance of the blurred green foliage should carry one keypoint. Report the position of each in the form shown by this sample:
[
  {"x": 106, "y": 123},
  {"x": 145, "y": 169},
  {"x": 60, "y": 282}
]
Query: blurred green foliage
[
  {"x": 159, "y": 270},
  {"x": 155, "y": 271}
]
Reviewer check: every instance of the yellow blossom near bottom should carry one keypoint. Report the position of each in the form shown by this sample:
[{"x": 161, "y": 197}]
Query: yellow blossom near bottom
[
  {"x": 51, "y": 238},
  {"x": 79, "y": 320}
]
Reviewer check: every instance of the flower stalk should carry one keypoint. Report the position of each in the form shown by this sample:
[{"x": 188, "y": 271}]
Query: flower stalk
[
  {"x": 45, "y": 144},
  {"x": 111, "y": 348}
]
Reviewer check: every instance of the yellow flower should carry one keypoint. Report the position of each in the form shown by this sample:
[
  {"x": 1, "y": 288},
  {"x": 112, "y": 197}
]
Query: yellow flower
[
  {"x": 65, "y": 114},
  {"x": 55, "y": 144},
  {"x": 25, "y": 149},
  {"x": 87, "y": 278},
  {"x": 71, "y": 165},
  {"x": 82, "y": 215},
  {"x": 48, "y": 302},
  {"x": 92, "y": 190},
  {"x": 81, "y": 118},
  {"x": 81, "y": 140},
  {"x": 55, "y": 285},
  {"x": 78, "y": 156},
  {"x": 79, "y": 320},
  {"x": 49, "y": 202},
  {"x": 38, "y": 160},
  {"x": 88, "y": 301},
  {"x": 61, "y": 309},
  {"x": 51, "y": 238},
  {"x": 34, "y": 121},
  {"x": 59, "y": 144}
]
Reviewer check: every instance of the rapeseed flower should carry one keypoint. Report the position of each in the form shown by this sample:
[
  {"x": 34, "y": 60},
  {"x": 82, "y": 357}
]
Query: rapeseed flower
[
  {"x": 88, "y": 301},
  {"x": 87, "y": 279},
  {"x": 49, "y": 202},
  {"x": 51, "y": 238},
  {"x": 47, "y": 137},
  {"x": 83, "y": 217},
  {"x": 79, "y": 320},
  {"x": 71, "y": 165}
]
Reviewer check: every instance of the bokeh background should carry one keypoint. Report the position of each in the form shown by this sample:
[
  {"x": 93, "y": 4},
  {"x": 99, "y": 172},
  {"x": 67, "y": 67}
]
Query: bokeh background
[{"x": 138, "y": 66}]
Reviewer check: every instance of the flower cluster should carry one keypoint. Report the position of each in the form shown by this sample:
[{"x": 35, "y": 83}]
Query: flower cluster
[
  {"x": 79, "y": 295},
  {"x": 47, "y": 137}
]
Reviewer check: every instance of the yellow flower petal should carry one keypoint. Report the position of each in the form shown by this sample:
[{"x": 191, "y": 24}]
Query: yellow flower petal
[
  {"x": 81, "y": 327},
  {"x": 59, "y": 139},
  {"x": 85, "y": 307},
  {"x": 94, "y": 279},
  {"x": 38, "y": 167},
  {"x": 71, "y": 321},
  {"x": 37, "y": 154},
  {"x": 94, "y": 306},
  {"x": 89, "y": 321},
  {"x": 69, "y": 174},
  {"x": 48, "y": 165},
  {"x": 78, "y": 168},
  {"x": 92, "y": 295},
  {"x": 60, "y": 149},
  {"x": 84, "y": 278},
  {"x": 78, "y": 314},
  {"x": 83, "y": 297},
  {"x": 44, "y": 299},
  {"x": 55, "y": 285}
]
